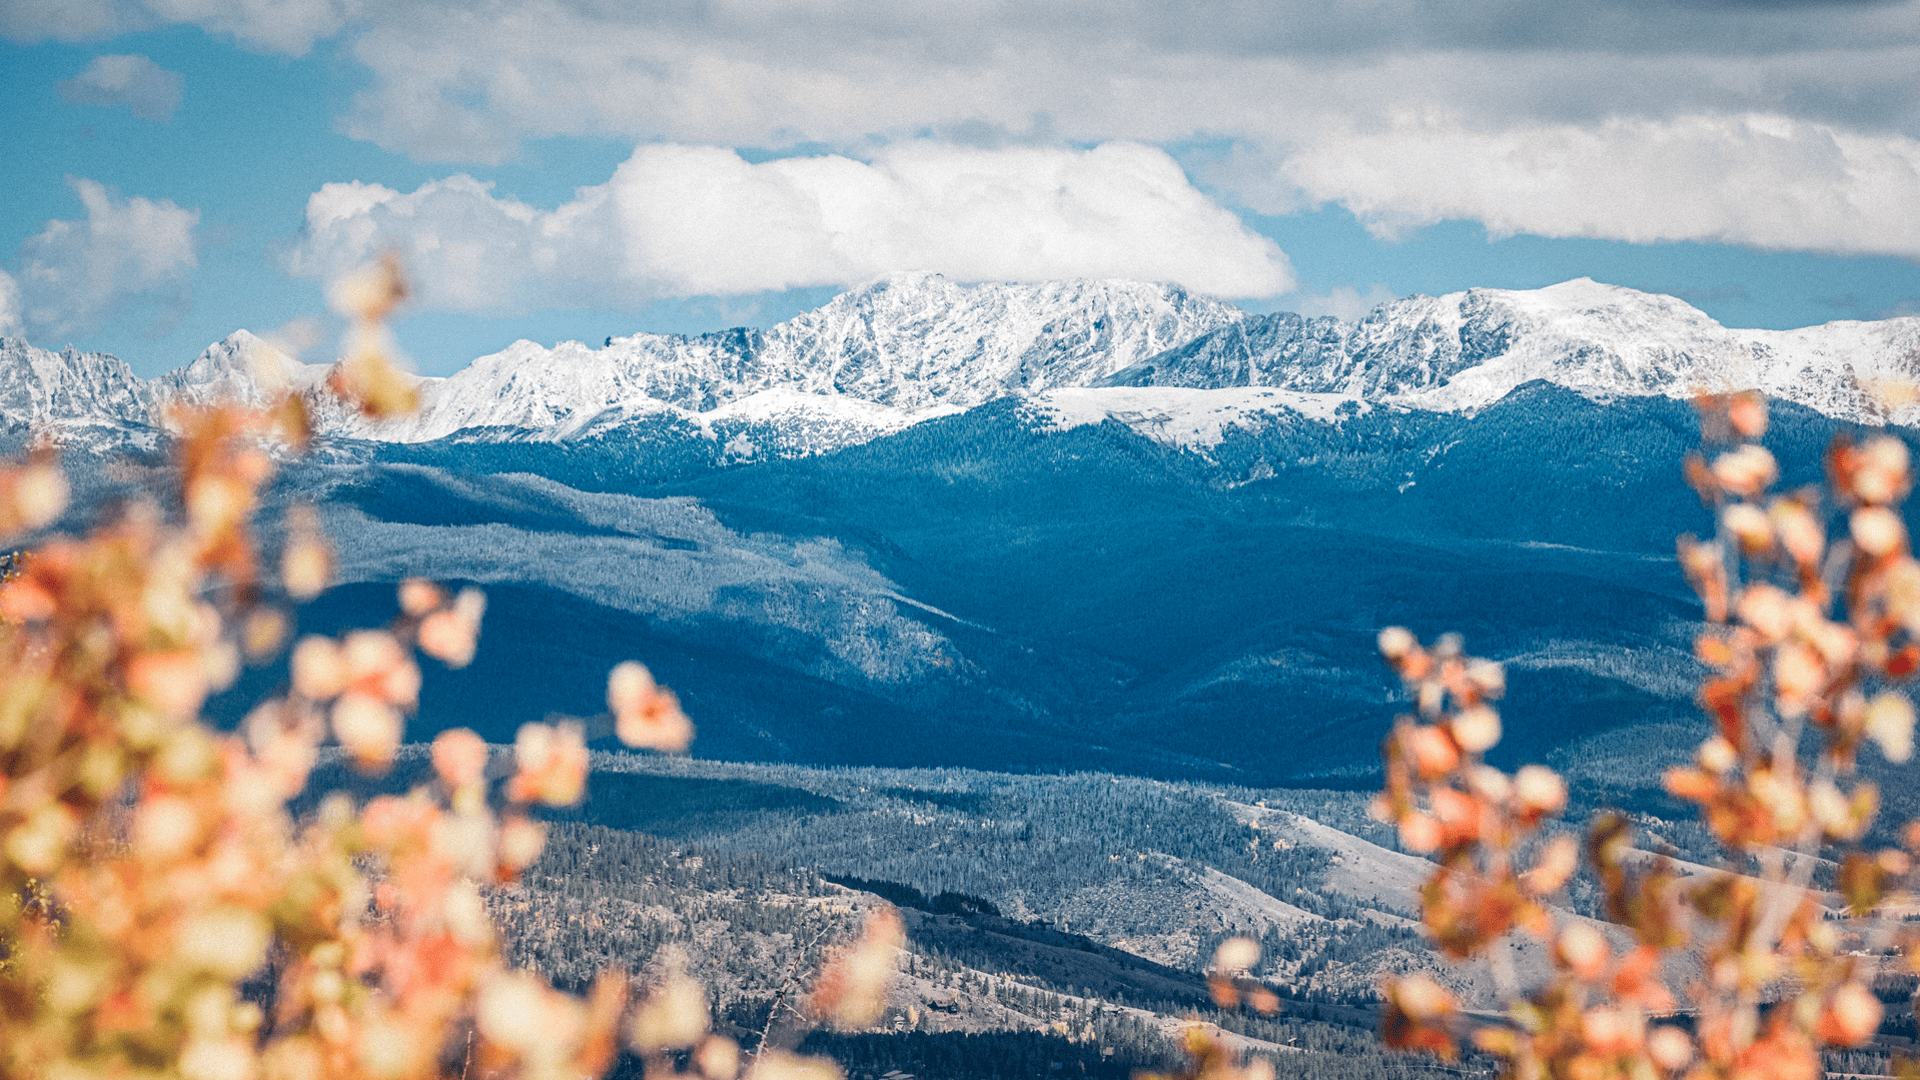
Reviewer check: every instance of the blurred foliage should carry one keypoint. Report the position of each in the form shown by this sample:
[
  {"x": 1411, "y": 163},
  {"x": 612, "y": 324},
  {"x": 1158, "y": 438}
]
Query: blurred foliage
[{"x": 1753, "y": 969}]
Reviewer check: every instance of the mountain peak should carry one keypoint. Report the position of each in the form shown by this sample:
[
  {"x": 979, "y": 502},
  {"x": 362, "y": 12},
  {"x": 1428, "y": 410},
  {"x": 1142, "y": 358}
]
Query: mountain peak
[
  {"x": 41, "y": 388},
  {"x": 1466, "y": 350},
  {"x": 917, "y": 344},
  {"x": 239, "y": 367},
  {"x": 924, "y": 342},
  {"x": 900, "y": 279}
]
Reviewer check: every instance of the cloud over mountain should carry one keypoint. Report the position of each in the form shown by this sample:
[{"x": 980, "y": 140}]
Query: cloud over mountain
[
  {"x": 691, "y": 221},
  {"x": 131, "y": 257},
  {"x": 9, "y": 304}
]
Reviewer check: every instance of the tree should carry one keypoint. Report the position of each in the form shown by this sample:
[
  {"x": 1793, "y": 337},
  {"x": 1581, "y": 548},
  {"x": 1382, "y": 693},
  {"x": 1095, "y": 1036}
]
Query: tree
[
  {"x": 162, "y": 914},
  {"x": 1807, "y": 638}
]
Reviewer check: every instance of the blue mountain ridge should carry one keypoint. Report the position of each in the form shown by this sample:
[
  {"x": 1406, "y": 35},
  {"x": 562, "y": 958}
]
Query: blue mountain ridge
[
  {"x": 981, "y": 590},
  {"x": 1167, "y": 552}
]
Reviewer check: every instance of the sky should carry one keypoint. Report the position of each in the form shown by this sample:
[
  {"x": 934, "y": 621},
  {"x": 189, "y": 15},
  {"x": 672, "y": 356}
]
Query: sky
[{"x": 180, "y": 169}]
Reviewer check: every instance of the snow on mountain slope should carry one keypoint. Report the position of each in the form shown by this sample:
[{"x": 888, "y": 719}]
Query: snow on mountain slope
[
  {"x": 1195, "y": 419},
  {"x": 523, "y": 386},
  {"x": 1862, "y": 361},
  {"x": 789, "y": 423},
  {"x": 1603, "y": 340},
  {"x": 41, "y": 388},
  {"x": 779, "y": 422},
  {"x": 240, "y": 367},
  {"x": 919, "y": 341},
  {"x": 1466, "y": 350},
  {"x": 1179, "y": 368},
  {"x": 912, "y": 342}
]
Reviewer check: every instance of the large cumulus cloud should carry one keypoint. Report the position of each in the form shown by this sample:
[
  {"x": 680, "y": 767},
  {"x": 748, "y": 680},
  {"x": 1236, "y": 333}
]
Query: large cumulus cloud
[
  {"x": 700, "y": 221},
  {"x": 1756, "y": 180},
  {"x": 1402, "y": 109},
  {"x": 130, "y": 258}
]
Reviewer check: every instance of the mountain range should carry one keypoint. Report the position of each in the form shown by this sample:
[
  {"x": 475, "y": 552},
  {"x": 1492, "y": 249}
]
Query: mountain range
[
  {"x": 1070, "y": 525},
  {"x": 915, "y": 346},
  {"x": 1047, "y": 612}
]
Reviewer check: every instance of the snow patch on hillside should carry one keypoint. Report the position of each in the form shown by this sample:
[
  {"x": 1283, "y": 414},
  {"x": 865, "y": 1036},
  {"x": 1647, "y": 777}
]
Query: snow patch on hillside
[
  {"x": 40, "y": 388},
  {"x": 1194, "y": 419},
  {"x": 786, "y": 423}
]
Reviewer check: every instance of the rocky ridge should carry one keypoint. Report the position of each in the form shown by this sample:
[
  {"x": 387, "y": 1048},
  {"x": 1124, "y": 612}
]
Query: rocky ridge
[
  {"x": 1466, "y": 350},
  {"x": 913, "y": 346}
]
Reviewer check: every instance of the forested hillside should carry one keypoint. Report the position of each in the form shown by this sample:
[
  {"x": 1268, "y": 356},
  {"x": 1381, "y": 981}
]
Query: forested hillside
[
  {"x": 995, "y": 590},
  {"x": 749, "y": 875},
  {"x": 1065, "y": 917}
]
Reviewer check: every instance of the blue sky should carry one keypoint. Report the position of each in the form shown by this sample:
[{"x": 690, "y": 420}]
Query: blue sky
[{"x": 556, "y": 170}]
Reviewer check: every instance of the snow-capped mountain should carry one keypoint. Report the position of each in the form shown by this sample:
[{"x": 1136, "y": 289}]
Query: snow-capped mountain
[
  {"x": 914, "y": 346},
  {"x": 999, "y": 570},
  {"x": 913, "y": 343},
  {"x": 1466, "y": 350},
  {"x": 39, "y": 387},
  {"x": 240, "y": 367}
]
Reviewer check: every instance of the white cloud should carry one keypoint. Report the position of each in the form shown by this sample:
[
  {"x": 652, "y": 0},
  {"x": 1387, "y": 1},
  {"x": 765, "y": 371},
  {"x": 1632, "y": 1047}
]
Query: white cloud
[
  {"x": 288, "y": 26},
  {"x": 71, "y": 20},
  {"x": 1758, "y": 180},
  {"x": 698, "y": 221},
  {"x": 1343, "y": 302},
  {"x": 1327, "y": 101},
  {"x": 129, "y": 258},
  {"x": 9, "y": 306},
  {"x": 1406, "y": 118},
  {"x": 149, "y": 90}
]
